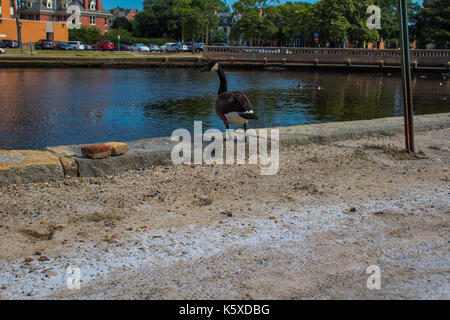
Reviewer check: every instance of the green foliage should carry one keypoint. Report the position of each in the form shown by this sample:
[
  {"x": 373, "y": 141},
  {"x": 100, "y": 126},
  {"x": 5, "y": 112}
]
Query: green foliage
[
  {"x": 390, "y": 24},
  {"x": 255, "y": 23},
  {"x": 86, "y": 35},
  {"x": 122, "y": 23},
  {"x": 433, "y": 23},
  {"x": 341, "y": 20},
  {"x": 218, "y": 35},
  {"x": 92, "y": 35}
]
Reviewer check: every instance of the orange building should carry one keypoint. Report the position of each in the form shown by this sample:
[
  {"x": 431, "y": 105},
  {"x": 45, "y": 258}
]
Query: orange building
[{"x": 32, "y": 30}]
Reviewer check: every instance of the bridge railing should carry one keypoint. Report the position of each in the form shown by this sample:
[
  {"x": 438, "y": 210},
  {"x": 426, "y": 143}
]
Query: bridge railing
[{"x": 427, "y": 58}]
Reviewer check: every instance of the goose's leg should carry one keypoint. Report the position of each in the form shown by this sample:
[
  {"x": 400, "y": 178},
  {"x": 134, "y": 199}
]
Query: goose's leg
[
  {"x": 228, "y": 131},
  {"x": 245, "y": 132}
]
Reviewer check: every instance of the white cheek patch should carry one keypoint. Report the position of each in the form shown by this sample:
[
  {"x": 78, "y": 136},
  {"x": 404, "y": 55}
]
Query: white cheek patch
[{"x": 215, "y": 68}]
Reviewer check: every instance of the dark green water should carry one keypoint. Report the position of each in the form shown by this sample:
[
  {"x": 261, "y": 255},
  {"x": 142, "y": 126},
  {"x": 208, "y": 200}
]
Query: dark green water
[{"x": 40, "y": 108}]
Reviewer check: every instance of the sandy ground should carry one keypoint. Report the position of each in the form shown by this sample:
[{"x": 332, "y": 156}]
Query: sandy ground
[{"x": 226, "y": 232}]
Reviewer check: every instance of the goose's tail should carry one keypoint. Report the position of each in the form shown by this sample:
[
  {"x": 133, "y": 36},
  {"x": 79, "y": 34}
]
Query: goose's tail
[{"x": 249, "y": 115}]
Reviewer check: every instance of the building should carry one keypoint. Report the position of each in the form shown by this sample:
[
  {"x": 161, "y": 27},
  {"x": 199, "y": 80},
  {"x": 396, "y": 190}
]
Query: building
[
  {"x": 226, "y": 22},
  {"x": 128, "y": 14},
  {"x": 51, "y": 19},
  {"x": 90, "y": 13},
  {"x": 32, "y": 29}
]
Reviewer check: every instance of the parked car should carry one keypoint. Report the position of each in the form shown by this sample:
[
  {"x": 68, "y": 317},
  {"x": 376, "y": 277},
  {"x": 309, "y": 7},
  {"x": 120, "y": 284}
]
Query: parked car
[
  {"x": 77, "y": 45},
  {"x": 139, "y": 47},
  {"x": 171, "y": 47},
  {"x": 154, "y": 48},
  {"x": 125, "y": 47},
  {"x": 221, "y": 44},
  {"x": 182, "y": 47},
  {"x": 88, "y": 47},
  {"x": 9, "y": 44},
  {"x": 104, "y": 45},
  {"x": 64, "y": 46},
  {"x": 197, "y": 47},
  {"x": 44, "y": 44}
]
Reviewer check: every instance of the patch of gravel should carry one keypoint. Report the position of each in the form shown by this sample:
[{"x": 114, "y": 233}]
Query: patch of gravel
[{"x": 212, "y": 232}]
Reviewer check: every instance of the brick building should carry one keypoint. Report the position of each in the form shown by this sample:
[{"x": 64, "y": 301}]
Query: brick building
[
  {"x": 32, "y": 30},
  {"x": 49, "y": 19},
  {"x": 127, "y": 13}
]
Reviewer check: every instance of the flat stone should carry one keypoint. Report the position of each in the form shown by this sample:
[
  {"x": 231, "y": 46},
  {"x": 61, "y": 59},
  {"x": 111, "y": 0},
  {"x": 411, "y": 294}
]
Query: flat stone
[
  {"x": 96, "y": 151},
  {"x": 28, "y": 166},
  {"x": 118, "y": 148}
]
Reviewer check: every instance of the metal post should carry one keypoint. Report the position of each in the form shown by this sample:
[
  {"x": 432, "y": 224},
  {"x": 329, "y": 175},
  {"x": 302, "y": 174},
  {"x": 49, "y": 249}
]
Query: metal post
[{"x": 406, "y": 78}]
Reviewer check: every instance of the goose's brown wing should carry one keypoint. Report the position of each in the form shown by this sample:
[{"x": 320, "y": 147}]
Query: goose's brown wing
[{"x": 235, "y": 101}]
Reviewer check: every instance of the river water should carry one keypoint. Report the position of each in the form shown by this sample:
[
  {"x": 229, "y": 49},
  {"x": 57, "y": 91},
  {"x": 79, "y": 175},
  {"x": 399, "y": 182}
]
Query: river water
[{"x": 40, "y": 108}]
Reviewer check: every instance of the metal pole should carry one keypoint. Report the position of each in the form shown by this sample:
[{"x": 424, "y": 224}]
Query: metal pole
[{"x": 406, "y": 78}]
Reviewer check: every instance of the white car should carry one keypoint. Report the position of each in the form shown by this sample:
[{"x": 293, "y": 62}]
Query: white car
[
  {"x": 77, "y": 45},
  {"x": 170, "y": 47},
  {"x": 139, "y": 47}
]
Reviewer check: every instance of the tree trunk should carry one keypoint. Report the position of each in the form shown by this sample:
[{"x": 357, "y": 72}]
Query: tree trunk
[{"x": 19, "y": 26}]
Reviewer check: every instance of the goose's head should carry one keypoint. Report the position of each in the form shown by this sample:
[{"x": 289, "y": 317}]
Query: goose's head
[{"x": 211, "y": 67}]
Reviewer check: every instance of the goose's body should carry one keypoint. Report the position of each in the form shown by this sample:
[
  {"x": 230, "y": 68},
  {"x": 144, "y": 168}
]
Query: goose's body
[{"x": 232, "y": 107}]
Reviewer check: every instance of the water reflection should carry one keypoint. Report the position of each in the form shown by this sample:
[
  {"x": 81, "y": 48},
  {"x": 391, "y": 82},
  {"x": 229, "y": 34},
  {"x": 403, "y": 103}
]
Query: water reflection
[{"x": 39, "y": 108}]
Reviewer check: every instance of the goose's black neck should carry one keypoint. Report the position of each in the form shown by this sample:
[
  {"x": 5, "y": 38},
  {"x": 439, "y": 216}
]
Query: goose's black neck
[{"x": 223, "y": 81}]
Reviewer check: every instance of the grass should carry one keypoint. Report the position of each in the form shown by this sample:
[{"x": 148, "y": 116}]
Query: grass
[
  {"x": 360, "y": 154},
  {"x": 87, "y": 54}
]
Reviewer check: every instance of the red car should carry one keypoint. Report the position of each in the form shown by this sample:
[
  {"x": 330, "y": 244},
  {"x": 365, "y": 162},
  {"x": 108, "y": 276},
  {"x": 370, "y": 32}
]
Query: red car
[{"x": 104, "y": 45}]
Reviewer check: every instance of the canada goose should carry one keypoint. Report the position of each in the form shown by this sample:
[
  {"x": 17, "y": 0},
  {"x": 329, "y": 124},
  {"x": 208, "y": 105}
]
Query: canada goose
[{"x": 232, "y": 107}]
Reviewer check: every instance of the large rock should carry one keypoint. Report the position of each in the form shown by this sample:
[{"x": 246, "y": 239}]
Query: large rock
[
  {"x": 70, "y": 166},
  {"x": 27, "y": 166},
  {"x": 96, "y": 151},
  {"x": 117, "y": 148}
]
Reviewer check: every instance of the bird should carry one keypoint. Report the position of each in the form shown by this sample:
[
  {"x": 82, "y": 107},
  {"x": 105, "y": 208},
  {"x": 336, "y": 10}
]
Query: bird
[{"x": 232, "y": 107}]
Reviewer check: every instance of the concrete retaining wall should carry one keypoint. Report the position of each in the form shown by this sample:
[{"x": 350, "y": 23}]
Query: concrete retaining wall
[{"x": 19, "y": 167}]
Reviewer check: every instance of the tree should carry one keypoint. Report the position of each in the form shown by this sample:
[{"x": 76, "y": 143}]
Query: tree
[
  {"x": 390, "y": 23},
  {"x": 17, "y": 8},
  {"x": 254, "y": 23},
  {"x": 86, "y": 35},
  {"x": 122, "y": 23},
  {"x": 341, "y": 20},
  {"x": 290, "y": 20},
  {"x": 433, "y": 23},
  {"x": 157, "y": 20}
]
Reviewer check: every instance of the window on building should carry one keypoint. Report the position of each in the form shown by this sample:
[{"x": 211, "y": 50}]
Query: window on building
[
  {"x": 92, "y": 20},
  {"x": 49, "y": 4},
  {"x": 93, "y": 5}
]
